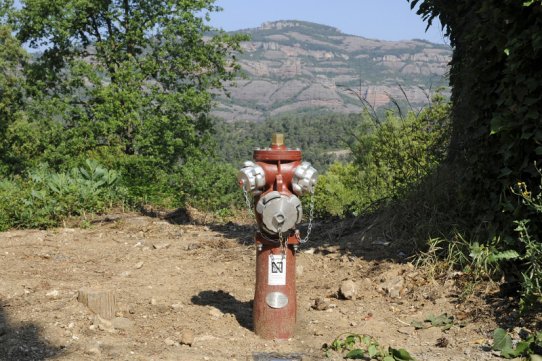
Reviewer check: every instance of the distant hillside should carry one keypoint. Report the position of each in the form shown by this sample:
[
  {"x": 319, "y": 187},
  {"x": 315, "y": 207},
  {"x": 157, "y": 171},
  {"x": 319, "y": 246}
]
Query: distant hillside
[{"x": 297, "y": 65}]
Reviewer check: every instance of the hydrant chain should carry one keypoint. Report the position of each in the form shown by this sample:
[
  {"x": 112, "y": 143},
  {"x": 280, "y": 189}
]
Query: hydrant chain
[
  {"x": 249, "y": 205},
  {"x": 311, "y": 217},
  {"x": 283, "y": 243}
]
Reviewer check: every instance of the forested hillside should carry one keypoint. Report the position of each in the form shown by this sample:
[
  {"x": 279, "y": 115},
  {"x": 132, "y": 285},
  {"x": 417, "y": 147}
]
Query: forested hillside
[{"x": 323, "y": 137}]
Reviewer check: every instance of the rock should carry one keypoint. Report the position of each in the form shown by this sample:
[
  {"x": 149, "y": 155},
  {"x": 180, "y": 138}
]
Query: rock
[
  {"x": 321, "y": 304},
  {"x": 168, "y": 341},
  {"x": 138, "y": 265},
  {"x": 177, "y": 306},
  {"x": 348, "y": 290},
  {"x": 122, "y": 323},
  {"x": 94, "y": 349},
  {"x": 394, "y": 286},
  {"x": 54, "y": 294},
  {"x": 158, "y": 246},
  {"x": 442, "y": 342},
  {"x": 193, "y": 246},
  {"x": 299, "y": 270},
  {"x": 103, "y": 324},
  {"x": 215, "y": 313},
  {"x": 187, "y": 337}
]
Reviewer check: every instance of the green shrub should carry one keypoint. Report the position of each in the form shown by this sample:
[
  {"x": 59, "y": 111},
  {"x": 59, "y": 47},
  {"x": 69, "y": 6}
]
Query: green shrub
[
  {"x": 209, "y": 185},
  {"x": 44, "y": 198},
  {"x": 336, "y": 192},
  {"x": 392, "y": 157},
  {"x": 147, "y": 181}
]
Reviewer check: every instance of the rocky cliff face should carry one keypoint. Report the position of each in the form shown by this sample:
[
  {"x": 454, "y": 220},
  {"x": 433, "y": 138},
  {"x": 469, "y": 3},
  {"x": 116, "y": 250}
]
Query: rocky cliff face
[{"x": 296, "y": 66}]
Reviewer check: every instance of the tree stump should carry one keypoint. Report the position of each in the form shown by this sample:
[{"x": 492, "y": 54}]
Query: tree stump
[{"x": 101, "y": 302}]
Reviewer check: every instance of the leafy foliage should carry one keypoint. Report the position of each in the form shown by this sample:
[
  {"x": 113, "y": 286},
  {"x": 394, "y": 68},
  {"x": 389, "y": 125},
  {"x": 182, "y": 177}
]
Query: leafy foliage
[
  {"x": 530, "y": 346},
  {"x": 12, "y": 57},
  {"x": 363, "y": 347},
  {"x": 497, "y": 130},
  {"x": 443, "y": 320},
  {"x": 44, "y": 198},
  {"x": 531, "y": 247},
  {"x": 123, "y": 78},
  {"x": 129, "y": 84},
  {"x": 391, "y": 156},
  {"x": 209, "y": 185}
]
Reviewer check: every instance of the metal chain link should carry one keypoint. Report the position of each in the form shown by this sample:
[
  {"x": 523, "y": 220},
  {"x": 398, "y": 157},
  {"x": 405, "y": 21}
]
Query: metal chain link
[
  {"x": 283, "y": 243},
  {"x": 311, "y": 218},
  {"x": 248, "y": 202}
]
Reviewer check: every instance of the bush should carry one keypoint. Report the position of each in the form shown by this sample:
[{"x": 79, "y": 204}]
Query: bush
[
  {"x": 392, "y": 157},
  {"x": 148, "y": 181},
  {"x": 339, "y": 192},
  {"x": 209, "y": 185},
  {"x": 44, "y": 198}
]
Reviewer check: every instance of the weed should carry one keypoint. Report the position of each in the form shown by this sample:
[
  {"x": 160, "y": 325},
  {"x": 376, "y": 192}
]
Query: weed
[
  {"x": 364, "y": 347},
  {"x": 44, "y": 198},
  {"x": 530, "y": 346},
  {"x": 529, "y": 239},
  {"x": 444, "y": 321}
]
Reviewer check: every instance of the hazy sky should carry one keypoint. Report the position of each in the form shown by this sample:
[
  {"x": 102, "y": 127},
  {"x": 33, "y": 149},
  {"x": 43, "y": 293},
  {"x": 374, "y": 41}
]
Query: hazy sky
[{"x": 379, "y": 19}]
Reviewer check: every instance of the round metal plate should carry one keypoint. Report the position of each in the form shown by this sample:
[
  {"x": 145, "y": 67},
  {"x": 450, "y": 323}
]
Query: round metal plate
[{"x": 276, "y": 300}]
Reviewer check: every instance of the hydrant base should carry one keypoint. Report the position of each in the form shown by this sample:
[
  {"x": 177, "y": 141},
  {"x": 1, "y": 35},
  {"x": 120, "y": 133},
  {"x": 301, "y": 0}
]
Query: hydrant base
[{"x": 275, "y": 303}]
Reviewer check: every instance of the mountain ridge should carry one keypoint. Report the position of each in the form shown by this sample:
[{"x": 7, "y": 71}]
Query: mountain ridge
[{"x": 294, "y": 65}]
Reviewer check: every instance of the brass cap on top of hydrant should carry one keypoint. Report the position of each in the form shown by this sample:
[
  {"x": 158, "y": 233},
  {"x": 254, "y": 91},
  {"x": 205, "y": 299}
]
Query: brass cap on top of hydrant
[
  {"x": 277, "y": 139},
  {"x": 277, "y": 152}
]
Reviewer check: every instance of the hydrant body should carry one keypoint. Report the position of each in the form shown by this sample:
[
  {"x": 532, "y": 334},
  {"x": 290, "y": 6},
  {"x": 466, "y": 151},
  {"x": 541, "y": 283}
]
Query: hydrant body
[{"x": 275, "y": 178}]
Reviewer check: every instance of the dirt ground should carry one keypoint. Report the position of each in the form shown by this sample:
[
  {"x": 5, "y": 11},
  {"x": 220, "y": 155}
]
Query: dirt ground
[{"x": 172, "y": 277}]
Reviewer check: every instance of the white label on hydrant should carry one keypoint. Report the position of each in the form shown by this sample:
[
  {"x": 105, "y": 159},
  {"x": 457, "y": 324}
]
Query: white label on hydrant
[{"x": 276, "y": 274}]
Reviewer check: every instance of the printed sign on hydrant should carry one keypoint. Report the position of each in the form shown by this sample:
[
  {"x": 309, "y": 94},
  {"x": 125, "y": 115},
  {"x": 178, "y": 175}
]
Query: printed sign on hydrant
[{"x": 276, "y": 275}]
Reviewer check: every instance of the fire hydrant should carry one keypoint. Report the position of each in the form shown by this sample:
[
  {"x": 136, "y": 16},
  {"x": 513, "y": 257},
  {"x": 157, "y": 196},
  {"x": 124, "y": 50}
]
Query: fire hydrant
[{"x": 275, "y": 179}]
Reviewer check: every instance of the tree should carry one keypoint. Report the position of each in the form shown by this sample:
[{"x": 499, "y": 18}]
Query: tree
[
  {"x": 125, "y": 78},
  {"x": 497, "y": 104},
  {"x": 496, "y": 143},
  {"x": 12, "y": 58}
]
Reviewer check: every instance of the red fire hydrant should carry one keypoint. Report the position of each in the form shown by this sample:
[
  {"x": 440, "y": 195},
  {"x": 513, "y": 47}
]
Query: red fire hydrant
[{"x": 275, "y": 180}]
